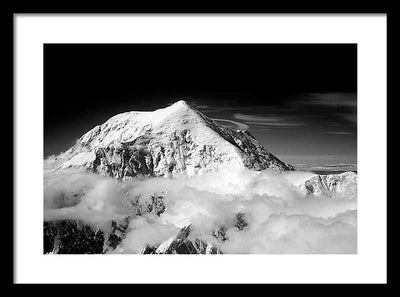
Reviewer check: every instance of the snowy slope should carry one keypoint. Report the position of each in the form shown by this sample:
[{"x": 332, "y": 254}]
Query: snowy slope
[
  {"x": 166, "y": 142},
  {"x": 333, "y": 185}
]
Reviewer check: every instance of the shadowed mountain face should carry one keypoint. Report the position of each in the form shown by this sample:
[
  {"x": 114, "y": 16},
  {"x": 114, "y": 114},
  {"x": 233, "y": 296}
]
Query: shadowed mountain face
[{"x": 166, "y": 142}]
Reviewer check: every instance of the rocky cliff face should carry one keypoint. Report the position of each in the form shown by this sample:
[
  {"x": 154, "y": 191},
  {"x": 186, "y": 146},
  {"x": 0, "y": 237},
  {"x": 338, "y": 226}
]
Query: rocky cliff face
[
  {"x": 77, "y": 237},
  {"x": 183, "y": 243},
  {"x": 166, "y": 142}
]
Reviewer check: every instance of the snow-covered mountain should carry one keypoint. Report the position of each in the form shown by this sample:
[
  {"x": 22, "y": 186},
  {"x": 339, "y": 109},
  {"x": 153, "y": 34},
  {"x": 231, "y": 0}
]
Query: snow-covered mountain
[
  {"x": 86, "y": 212},
  {"x": 166, "y": 142},
  {"x": 331, "y": 185}
]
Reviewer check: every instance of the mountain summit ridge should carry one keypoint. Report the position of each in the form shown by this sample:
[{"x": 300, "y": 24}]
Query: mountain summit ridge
[{"x": 166, "y": 142}]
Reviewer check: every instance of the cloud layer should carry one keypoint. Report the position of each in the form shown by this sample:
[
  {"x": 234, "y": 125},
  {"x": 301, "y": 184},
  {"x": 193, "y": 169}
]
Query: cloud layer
[{"x": 280, "y": 217}]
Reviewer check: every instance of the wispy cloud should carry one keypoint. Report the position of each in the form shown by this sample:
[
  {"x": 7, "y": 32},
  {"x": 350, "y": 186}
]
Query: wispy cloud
[
  {"x": 275, "y": 121},
  {"x": 334, "y": 111},
  {"x": 240, "y": 126},
  {"x": 248, "y": 117},
  {"x": 328, "y": 99},
  {"x": 204, "y": 106},
  {"x": 339, "y": 132},
  {"x": 343, "y": 106},
  {"x": 280, "y": 124}
]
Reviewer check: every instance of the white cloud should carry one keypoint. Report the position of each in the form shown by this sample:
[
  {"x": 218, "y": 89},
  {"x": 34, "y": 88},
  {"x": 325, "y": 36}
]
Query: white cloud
[
  {"x": 281, "y": 219},
  {"x": 283, "y": 233},
  {"x": 144, "y": 232}
]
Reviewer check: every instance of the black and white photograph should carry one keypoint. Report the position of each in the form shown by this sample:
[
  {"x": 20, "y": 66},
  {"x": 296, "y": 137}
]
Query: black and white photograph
[{"x": 200, "y": 148}]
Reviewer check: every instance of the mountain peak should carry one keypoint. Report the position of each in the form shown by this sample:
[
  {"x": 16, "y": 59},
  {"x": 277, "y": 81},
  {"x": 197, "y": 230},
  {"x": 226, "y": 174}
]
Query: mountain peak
[
  {"x": 181, "y": 103},
  {"x": 167, "y": 141}
]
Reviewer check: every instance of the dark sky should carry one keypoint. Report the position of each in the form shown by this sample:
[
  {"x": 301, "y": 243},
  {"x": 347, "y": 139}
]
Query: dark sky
[{"x": 299, "y": 100}]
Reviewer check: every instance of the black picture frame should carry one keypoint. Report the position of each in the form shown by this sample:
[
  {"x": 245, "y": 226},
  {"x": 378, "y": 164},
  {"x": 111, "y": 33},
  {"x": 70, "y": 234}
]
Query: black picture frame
[{"x": 10, "y": 121}]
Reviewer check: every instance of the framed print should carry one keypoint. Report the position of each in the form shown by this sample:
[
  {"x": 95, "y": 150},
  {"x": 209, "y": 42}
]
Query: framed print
[{"x": 220, "y": 142}]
